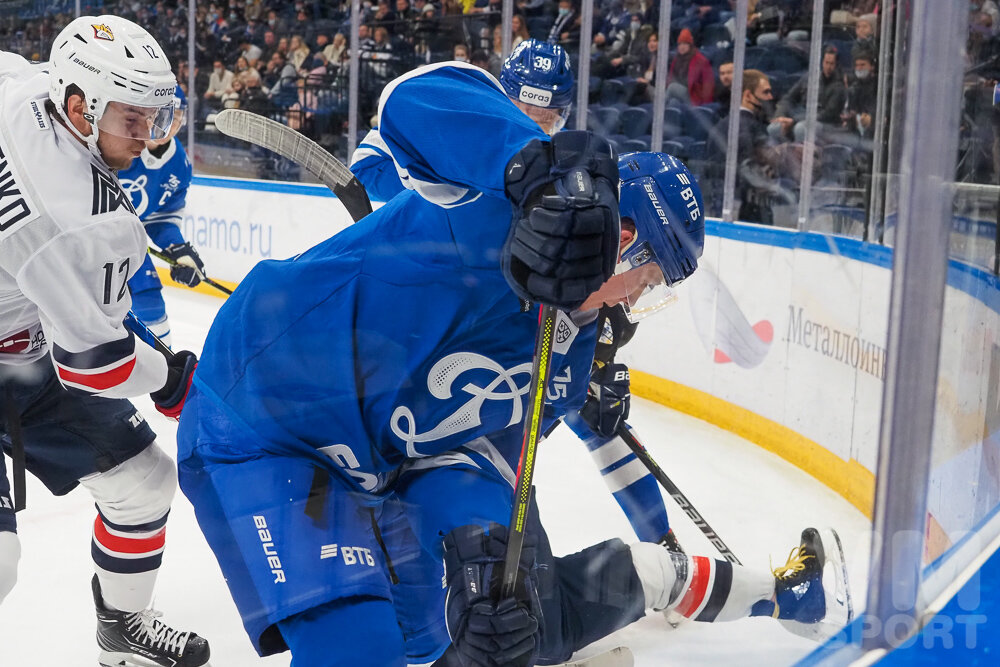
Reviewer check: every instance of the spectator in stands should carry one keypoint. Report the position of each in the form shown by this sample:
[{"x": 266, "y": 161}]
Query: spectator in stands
[
  {"x": 384, "y": 14},
  {"x": 231, "y": 98},
  {"x": 864, "y": 31},
  {"x": 530, "y": 7},
  {"x": 250, "y": 52},
  {"x": 988, "y": 7},
  {"x": 404, "y": 12},
  {"x": 862, "y": 96},
  {"x": 282, "y": 47},
  {"x": 644, "y": 71},
  {"x": 381, "y": 56},
  {"x": 791, "y": 111},
  {"x": 480, "y": 58},
  {"x": 268, "y": 45},
  {"x": 566, "y": 27},
  {"x": 850, "y": 10},
  {"x": 625, "y": 55},
  {"x": 755, "y": 185},
  {"x": 244, "y": 68},
  {"x": 298, "y": 52},
  {"x": 252, "y": 97},
  {"x": 335, "y": 50},
  {"x": 615, "y": 21},
  {"x": 724, "y": 91},
  {"x": 519, "y": 28},
  {"x": 219, "y": 82},
  {"x": 460, "y": 52},
  {"x": 496, "y": 54},
  {"x": 276, "y": 23},
  {"x": 691, "y": 80}
]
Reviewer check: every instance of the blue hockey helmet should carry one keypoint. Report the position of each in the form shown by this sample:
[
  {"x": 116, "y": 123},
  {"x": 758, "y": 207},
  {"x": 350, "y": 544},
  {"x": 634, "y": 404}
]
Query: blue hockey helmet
[
  {"x": 663, "y": 201},
  {"x": 180, "y": 99},
  {"x": 539, "y": 74}
]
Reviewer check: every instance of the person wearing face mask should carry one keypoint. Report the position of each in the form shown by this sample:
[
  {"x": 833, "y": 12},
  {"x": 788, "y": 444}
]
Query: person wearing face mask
[
  {"x": 566, "y": 27},
  {"x": 862, "y": 96},
  {"x": 219, "y": 81},
  {"x": 755, "y": 155},
  {"x": 625, "y": 51}
]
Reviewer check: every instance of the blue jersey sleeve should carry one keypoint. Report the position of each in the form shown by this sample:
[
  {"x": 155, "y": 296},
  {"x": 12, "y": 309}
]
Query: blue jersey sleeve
[
  {"x": 452, "y": 130},
  {"x": 373, "y": 166}
]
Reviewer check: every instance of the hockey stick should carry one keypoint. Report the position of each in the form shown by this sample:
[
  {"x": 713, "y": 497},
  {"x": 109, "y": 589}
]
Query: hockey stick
[
  {"x": 133, "y": 324},
  {"x": 540, "y": 367},
  {"x": 286, "y": 142},
  {"x": 675, "y": 493},
  {"x": 173, "y": 262}
]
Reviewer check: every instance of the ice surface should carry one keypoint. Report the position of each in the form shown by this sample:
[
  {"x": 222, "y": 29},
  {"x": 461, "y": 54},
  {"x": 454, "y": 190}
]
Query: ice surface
[{"x": 757, "y": 502}]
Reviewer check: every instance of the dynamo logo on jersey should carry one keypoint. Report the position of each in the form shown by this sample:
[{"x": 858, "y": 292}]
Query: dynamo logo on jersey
[
  {"x": 136, "y": 191},
  {"x": 442, "y": 375}
]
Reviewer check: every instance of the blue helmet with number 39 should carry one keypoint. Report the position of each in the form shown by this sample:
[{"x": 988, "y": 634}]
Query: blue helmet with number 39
[
  {"x": 539, "y": 74},
  {"x": 661, "y": 198}
]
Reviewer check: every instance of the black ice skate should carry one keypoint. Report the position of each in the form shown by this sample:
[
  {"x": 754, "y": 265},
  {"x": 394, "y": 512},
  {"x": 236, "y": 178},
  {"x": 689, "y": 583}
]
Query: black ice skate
[
  {"x": 812, "y": 594},
  {"x": 138, "y": 639}
]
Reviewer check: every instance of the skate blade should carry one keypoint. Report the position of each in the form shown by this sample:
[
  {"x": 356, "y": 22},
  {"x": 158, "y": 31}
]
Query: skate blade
[
  {"x": 839, "y": 603},
  {"x": 115, "y": 659}
]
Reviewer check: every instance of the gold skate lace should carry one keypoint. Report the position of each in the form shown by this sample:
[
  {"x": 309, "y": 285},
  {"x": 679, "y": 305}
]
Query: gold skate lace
[{"x": 794, "y": 565}]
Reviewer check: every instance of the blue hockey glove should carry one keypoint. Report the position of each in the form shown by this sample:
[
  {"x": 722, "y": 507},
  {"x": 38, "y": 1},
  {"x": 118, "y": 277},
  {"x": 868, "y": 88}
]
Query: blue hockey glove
[
  {"x": 180, "y": 370},
  {"x": 563, "y": 243},
  {"x": 189, "y": 268},
  {"x": 608, "y": 399},
  {"x": 484, "y": 632}
]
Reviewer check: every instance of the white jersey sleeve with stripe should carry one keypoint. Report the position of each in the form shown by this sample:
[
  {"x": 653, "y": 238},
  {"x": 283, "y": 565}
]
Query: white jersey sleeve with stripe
[{"x": 69, "y": 241}]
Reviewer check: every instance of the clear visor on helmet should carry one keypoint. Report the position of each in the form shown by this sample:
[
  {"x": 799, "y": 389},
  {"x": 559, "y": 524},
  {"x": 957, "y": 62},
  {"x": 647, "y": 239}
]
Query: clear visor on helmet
[
  {"x": 134, "y": 122},
  {"x": 645, "y": 289},
  {"x": 550, "y": 119}
]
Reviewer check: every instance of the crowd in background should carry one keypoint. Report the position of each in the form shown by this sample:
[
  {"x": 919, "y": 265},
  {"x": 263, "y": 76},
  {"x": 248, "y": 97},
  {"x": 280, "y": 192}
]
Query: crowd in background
[{"x": 289, "y": 59}]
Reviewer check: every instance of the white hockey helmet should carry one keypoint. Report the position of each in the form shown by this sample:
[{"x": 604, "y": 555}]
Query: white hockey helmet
[{"x": 120, "y": 68}]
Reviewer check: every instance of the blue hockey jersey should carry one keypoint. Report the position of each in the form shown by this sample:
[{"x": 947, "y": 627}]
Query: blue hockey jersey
[
  {"x": 398, "y": 338},
  {"x": 158, "y": 189}
]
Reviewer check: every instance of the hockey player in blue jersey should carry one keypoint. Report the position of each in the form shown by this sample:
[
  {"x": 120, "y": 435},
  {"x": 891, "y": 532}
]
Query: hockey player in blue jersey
[
  {"x": 390, "y": 364},
  {"x": 157, "y": 183},
  {"x": 538, "y": 79}
]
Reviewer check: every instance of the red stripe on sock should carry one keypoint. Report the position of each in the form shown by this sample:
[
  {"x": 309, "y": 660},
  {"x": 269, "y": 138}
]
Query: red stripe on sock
[
  {"x": 99, "y": 381},
  {"x": 128, "y": 545},
  {"x": 695, "y": 595}
]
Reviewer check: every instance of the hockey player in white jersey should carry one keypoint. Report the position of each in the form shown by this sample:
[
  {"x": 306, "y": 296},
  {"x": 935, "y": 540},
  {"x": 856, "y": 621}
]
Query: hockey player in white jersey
[
  {"x": 69, "y": 241},
  {"x": 157, "y": 183}
]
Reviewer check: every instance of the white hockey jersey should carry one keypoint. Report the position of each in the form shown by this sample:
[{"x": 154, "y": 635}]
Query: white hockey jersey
[{"x": 69, "y": 241}]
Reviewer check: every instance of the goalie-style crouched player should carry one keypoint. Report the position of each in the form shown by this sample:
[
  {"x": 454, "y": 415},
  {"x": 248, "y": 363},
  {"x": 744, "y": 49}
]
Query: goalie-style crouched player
[{"x": 389, "y": 363}]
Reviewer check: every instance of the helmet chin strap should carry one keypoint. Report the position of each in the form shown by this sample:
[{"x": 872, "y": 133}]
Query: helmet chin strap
[{"x": 89, "y": 141}]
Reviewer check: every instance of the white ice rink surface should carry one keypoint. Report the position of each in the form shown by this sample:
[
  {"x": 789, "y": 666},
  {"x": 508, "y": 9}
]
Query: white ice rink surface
[{"x": 757, "y": 502}]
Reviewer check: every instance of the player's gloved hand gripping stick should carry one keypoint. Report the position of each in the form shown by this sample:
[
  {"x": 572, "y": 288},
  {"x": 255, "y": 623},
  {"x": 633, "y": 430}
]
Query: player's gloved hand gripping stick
[
  {"x": 168, "y": 400},
  {"x": 200, "y": 272}
]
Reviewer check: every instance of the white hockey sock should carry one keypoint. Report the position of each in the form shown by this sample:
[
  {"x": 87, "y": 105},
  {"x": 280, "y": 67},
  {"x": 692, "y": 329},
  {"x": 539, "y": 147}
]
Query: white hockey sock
[
  {"x": 10, "y": 554},
  {"x": 698, "y": 587},
  {"x": 161, "y": 330}
]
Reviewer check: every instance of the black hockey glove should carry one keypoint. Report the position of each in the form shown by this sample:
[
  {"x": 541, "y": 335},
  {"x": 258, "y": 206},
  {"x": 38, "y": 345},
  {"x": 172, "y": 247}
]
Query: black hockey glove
[
  {"x": 189, "y": 268},
  {"x": 484, "y": 632},
  {"x": 180, "y": 370},
  {"x": 615, "y": 330},
  {"x": 563, "y": 243},
  {"x": 608, "y": 399}
]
